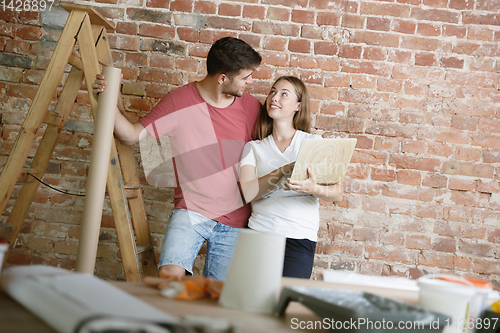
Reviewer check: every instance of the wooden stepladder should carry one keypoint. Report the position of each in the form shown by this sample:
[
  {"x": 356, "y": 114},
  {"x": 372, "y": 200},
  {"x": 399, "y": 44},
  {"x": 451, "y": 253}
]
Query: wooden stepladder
[{"x": 86, "y": 27}]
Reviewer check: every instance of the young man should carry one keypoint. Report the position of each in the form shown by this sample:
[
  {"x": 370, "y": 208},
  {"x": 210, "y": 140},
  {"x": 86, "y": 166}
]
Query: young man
[{"x": 207, "y": 122}]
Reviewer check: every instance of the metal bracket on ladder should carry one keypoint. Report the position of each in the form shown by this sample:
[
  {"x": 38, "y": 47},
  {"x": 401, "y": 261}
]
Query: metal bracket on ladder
[{"x": 86, "y": 27}]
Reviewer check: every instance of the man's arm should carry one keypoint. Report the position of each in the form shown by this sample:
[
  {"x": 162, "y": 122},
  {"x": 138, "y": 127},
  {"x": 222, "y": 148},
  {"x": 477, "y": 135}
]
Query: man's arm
[{"x": 126, "y": 132}]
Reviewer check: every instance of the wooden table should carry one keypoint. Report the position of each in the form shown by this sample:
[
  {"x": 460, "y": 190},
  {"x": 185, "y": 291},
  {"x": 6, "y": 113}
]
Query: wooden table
[{"x": 15, "y": 319}]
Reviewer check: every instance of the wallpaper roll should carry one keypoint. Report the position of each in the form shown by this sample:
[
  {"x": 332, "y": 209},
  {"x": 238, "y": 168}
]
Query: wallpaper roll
[
  {"x": 253, "y": 282},
  {"x": 98, "y": 171}
]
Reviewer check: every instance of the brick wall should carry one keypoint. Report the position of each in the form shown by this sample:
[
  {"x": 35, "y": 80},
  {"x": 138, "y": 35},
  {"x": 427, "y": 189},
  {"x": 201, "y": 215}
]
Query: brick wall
[{"x": 415, "y": 81}]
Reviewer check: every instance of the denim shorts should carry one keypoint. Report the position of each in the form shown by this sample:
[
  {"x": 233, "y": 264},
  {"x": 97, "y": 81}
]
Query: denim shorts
[{"x": 187, "y": 231}]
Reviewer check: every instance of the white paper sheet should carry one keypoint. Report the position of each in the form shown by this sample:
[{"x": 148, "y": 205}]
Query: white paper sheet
[{"x": 73, "y": 302}]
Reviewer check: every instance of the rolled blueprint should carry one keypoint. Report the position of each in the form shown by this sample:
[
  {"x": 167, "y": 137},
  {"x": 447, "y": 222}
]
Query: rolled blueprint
[{"x": 98, "y": 171}]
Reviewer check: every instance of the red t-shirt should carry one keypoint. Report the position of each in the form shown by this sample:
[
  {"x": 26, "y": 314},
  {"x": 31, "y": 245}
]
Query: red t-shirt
[{"x": 206, "y": 144}]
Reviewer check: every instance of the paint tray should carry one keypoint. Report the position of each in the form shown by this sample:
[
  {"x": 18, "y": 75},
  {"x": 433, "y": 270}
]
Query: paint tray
[{"x": 358, "y": 311}]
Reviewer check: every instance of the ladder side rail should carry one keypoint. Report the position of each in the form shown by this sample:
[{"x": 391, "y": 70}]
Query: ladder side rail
[
  {"x": 44, "y": 152},
  {"x": 39, "y": 106},
  {"x": 117, "y": 197}
]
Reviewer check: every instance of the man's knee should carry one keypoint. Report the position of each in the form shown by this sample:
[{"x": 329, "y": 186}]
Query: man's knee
[{"x": 172, "y": 270}]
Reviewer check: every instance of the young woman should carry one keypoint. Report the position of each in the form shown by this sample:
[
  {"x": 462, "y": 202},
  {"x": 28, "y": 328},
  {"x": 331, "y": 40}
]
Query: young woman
[{"x": 267, "y": 161}]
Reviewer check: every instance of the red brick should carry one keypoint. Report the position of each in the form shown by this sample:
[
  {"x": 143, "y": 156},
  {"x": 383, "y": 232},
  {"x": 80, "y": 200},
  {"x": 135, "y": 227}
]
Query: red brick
[
  {"x": 428, "y": 29},
  {"x": 487, "y": 187},
  {"x": 327, "y": 18},
  {"x": 364, "y": 235},
  {"x": 468, "y": 154},
  {"x": 452, "y": 62},
  {"x": 338, "y": 80},
  {"x": 156, "y": 31},
  {"x": 453, "y": 31},
  {"x": 461, "y": 4},
  {"x": 350, "y": 51},
  {"x": 391, "y": 255},
  {"x": 254, "y": 12},
  {"x": 480, "y": 33},
  {"x": 275, "y": 43},
  {"x": 375, "y": 53},
  {"x": 229, "y": 23},
  {"x": 136, "y": 103},
  {"x": 127, "y": 43},
  {"x": 161, "y": 61},
  {"x": 356, "y": 172},
  {"x": 158, "y": 4},
  {"x": 399, "y": 56},
  {"x": 486, "y": 266},
  {"x": 29, "y": 32},
  {"x": 375, "y": 38},
  {"x": 311, "y": 32},
  {"x": 461, "y": 184},
  {"x": 353, "y": 21},
  {"x": 409, "y": 177},
  {"x": 415, "y": 88},
  {"x": 463, "y": 198},
  {"x": 205, "y": 7},
  {"x": 414, "y": 162},
  {"x": 378, "y": 23},
  {"x": 299, "y": 45},
  {"x": 134, "y": 59},
  {"x": 331, "y": 108},
  {"x": 368, "y": 157},
  {"x": 282, "y": 29},
  {"x": 476, "y": 249},
  {"x": 274, "y": 58},
  {"x": 426, "y": 59},
  {"x": 386, "y": 144},
  {"x": 303, "y": 61},
  {"x": 392, "y": 238},
  {"x": 404, "y": 26},
  {"x": 278, "y": 14},
  {"x": 187, "y": 64},
  {"x": 160, "y": 76},
  {"x": 311, "y": 77},
  {"x": 491, "y": 155},
  {"x": 468, "y": 169},
  {"x": 443, "y": 244},
  {"x": 383, "y": 9},
  {"x": 485, "y": 140},
  {"x": 181, "y": 5},
  {"x": 321, "y": 4},
  {"x": 473, "y": 18},
  {"x": 403, "y": 192},
  {"x": 339, "y": 124},
  {"x": 17, "y": 46},
  {"x": 433, "y": 259},
  {"x": 494, "y": 236},
  {"x": 363, "y": 82},
  {"x": 383, "y": 175},
  {"x": 419, "y": 242},
  {"x": 128, "y": 28},
  {"x": 439, "y": 15},
  {"x": 188, "y": 34},
  {"x": 328, "y": 64},
  {"x": 435, "y": 180},
  {"x": 30, "y": 17},
  {"x": 228, "y": 9},
  {"x": 389, "y": 85},
  {"x": 420, "y": 43},
  {"x": 413, "y": 146},
  {"x": 325, "y": 48},
  {"x": 22, "y": 90}
]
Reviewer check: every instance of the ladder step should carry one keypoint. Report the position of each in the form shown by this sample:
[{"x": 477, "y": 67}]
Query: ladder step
[
  {"x": 25, "y": 178},
  {"x": 132, "y": 192},
  {"x": 144, "y": 252}
]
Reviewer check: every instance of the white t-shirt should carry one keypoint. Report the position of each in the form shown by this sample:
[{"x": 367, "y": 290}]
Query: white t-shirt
[{"x": 292, "y": 216}]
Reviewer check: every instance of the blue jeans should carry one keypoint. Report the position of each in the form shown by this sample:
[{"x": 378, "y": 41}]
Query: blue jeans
[{"x": 187, "y": 231}]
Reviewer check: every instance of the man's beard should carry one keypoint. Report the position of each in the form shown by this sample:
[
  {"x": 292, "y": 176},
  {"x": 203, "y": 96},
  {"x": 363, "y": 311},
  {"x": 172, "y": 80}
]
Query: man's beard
[{"x": 228, "y": 90}]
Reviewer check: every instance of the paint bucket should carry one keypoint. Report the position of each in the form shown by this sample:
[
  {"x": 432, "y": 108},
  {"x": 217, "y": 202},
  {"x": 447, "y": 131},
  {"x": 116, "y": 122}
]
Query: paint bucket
[{"x": 463, "y": 300}]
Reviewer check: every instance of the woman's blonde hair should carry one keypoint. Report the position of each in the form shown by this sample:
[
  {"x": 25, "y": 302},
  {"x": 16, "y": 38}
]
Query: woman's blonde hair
[{"x": 301, "y": 119}]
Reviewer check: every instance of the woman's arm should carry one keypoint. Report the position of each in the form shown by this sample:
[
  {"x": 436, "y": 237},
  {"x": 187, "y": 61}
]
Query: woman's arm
[
  {"x": 331, "y": 193},
  {"x": 255, "y": 188}
]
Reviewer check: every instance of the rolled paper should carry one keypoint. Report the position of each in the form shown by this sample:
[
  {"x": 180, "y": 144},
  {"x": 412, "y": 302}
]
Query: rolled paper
[
  {"x": 328, "y": 159},
  {"x": 253, "y": 282},
  {"x": 98, "y": 171}
]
